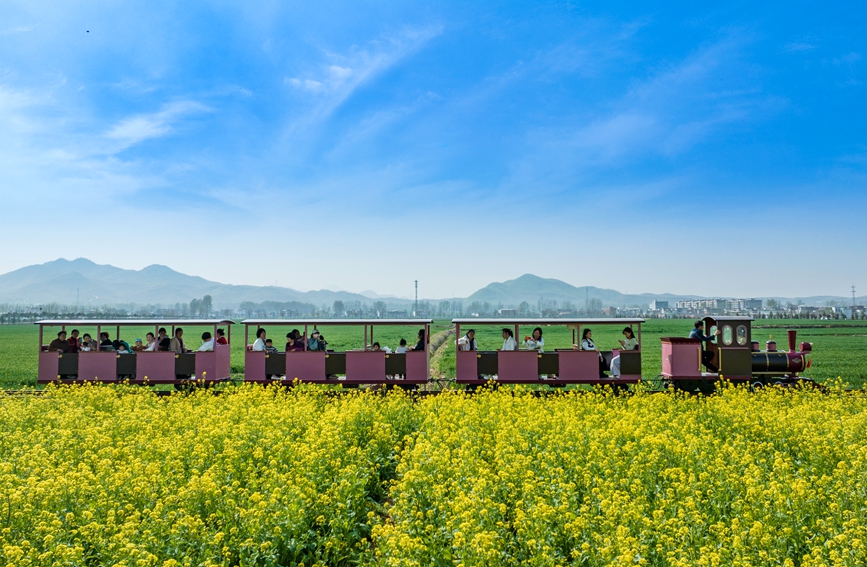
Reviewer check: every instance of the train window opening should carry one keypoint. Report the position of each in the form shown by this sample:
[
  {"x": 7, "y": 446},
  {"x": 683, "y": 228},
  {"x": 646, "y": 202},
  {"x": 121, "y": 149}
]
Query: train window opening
[
  {"x": 742, "y": 335},
  {"x": 712, "y": 333},
  {"x": 727, "y": 334}
]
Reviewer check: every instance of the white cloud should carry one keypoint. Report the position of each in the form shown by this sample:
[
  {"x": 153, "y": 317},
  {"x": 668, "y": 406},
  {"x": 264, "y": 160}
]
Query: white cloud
[
  {"x": 334, "y": 81},
  {"x": 18, "y": 29},
  {"x": 135, "y": 129}
]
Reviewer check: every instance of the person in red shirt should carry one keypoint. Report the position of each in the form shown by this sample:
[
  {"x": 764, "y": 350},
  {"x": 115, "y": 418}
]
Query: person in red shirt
[
  {"x": 74, "y": 341},
  {"x": 221, "y": 337}
]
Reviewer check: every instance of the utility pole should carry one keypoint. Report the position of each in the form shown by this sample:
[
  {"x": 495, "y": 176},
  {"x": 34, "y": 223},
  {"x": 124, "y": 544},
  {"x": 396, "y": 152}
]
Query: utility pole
[
  {"x": 853, "y": 295},
  {"x": 415, "y": 306}
]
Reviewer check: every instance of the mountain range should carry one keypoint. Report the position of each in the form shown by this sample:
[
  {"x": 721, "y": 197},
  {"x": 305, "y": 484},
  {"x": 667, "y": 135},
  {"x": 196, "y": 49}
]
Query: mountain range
[{"x": 83, "y": 282}]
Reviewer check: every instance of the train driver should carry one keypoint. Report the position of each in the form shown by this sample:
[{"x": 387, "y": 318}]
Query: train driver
[{"x": 706, "y": 355}]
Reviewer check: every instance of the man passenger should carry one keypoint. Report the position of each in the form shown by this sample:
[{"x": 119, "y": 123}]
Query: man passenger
[
  {"x": 207, "y": 343},
  {"x": 60, "y": 344}
]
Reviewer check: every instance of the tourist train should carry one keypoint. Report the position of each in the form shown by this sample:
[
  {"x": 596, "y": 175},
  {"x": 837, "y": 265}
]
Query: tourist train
[{"x": 727, "y": 352}]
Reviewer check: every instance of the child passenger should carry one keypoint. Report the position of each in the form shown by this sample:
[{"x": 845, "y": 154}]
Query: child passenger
[{"x": 402, "y": 348}]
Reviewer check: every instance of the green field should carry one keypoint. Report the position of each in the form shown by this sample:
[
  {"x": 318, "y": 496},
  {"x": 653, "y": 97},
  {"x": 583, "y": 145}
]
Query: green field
[{"x": 839, "y": 348}]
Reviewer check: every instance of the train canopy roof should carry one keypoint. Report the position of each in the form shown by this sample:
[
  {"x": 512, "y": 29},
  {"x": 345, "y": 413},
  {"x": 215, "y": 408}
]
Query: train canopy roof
[
  {"x": 728, "y": 318},
  {"x": 323, "y": 322},
  {"x": 130, "y": 322},
  {"x": 546, "y": 321}
]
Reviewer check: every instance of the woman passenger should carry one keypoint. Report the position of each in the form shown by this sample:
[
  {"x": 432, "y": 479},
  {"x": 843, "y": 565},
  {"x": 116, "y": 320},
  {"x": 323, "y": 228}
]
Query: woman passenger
[
  {"x": 259, "y": 345},
  {"x": 588, "y": 344},
  {"x": 420, "y": 344},
  {"x": 151, "y": 345},
  {"x": 630, "y": 343},
  {"x": 536, "y": 342},
  {"x": 509, "y": 342}
]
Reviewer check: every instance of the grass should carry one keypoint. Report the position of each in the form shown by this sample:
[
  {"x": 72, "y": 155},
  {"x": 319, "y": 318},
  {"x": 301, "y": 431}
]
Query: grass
[{"x": 839, "y": 347}]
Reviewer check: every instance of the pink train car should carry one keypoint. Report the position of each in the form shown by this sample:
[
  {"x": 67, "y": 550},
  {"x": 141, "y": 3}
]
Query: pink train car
[
  {"x": 351, "y": 367},
  {"x": 142, "y": 367},
  {"x": 560, "y": 366}
]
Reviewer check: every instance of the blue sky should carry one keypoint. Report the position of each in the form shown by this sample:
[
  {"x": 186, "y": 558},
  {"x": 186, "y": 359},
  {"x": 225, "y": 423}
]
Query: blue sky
[{"x": 683, "y": 149}]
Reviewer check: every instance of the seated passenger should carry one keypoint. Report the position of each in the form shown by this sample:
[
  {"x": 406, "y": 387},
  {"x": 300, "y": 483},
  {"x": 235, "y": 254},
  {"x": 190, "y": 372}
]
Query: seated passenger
[
  {"x": 402, "y": 348},
  {"x": 269, "y": 347},
  {"x": 176, "y": 345},
  {"x": 259, "y": 344},
  {"x": 105, "y": 342},
  {"x": 138, "y": 347},
  {"x": 207, "y": 343},
  {"x": 60, "y": 344},
  {"x": 420, "y": 344},
  {"x": 468, "y": 341},
  {"x": 151, "y": 345},
  {"x": 375, "y": 347},
  {"x": 315, "y": 343},
  {"x": 588, "y": 344},
  {"x": 509, "y": 342},
  {"x": 299, "y": 340},
  {"x": 88, "y": 344},
  {"x": 221, "y": 337},
  {"x": 163, "y": 340},
  {"x": 74, "y": 341},
  {"x": 629, "y": 343},
  {"x": 706, "y": 355},
  {"x": 535, "y": 342},
  {"x": 291, "y": 339}
]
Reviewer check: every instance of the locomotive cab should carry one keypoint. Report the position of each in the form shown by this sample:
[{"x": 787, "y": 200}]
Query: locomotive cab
[{"x": 732, "y": 348}]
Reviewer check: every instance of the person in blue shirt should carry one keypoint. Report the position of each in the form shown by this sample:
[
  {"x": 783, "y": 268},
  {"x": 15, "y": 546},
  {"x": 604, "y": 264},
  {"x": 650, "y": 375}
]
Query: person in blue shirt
[{"x": 706, "y": 355}]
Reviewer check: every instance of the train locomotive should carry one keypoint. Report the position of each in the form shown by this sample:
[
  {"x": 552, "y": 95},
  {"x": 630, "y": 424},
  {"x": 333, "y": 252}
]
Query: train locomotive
[{"x": 737, "y": 357}]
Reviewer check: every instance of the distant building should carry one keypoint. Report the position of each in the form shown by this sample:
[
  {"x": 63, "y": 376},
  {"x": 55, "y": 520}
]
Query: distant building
[
  {"x": 507, "y": 312},
  {"x": 658, "y": 305}
]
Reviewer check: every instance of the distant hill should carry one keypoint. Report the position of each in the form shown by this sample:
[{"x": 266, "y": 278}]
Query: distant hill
[
  {"x": 96, "y": 284},
  {"x": 531, "y": 288},
  {"x": 62, "y": 280}
]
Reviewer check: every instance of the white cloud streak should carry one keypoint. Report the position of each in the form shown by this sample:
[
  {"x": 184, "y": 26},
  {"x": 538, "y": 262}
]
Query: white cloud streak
[
  {"x": 333, "y": 82},
  {"x": 141, "y": 127}
]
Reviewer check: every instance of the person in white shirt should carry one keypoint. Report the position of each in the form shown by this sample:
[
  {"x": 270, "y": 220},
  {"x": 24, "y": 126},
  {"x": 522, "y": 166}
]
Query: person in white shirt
[
  {"x": 629, "y": 343},
  {"x": 468, "y": 341},
  {"x": 151, "y": 345},
  {"x": 402, "y": 348},
  {"x": 588, "y": 344},
  {"x": 207, "y": 342},
  {"x": 535, "y": 342},
  {"x": 259, "y": 345},
  {"x": 509, "y": 342}
]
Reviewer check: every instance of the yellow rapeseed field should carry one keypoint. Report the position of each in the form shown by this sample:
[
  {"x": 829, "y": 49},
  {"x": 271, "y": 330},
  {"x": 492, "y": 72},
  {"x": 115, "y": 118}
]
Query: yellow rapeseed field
[
  {"x": 260, "y": 476},
  {"x": 775, "y": 478},
  {"x": 105, "y": 476}
]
